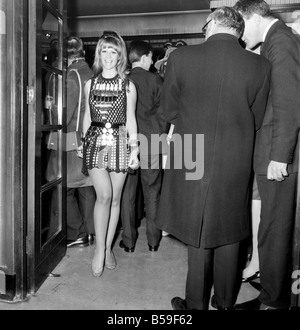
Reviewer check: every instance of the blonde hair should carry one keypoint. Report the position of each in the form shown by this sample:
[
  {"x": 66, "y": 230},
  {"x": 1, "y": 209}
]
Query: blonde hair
[{"x": 116, "y": 42}]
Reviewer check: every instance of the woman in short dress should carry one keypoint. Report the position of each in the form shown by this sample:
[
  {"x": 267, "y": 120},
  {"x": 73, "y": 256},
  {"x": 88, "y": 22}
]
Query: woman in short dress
[{"x": 110, "y": 147}]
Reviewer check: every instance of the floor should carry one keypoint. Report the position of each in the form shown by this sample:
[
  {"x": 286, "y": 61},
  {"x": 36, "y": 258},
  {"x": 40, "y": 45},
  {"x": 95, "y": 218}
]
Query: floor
[{"x": 142, "y": 280}]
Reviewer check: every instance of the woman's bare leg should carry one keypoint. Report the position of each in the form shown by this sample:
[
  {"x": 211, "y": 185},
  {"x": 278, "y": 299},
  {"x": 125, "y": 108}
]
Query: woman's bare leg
[
  {"x": 103, "y": 187},
  {"x": 253, "y": 266},
  {"x": 117, "y": 181}
]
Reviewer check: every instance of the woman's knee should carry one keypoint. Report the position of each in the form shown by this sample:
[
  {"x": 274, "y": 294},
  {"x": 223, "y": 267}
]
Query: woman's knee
[
  {"x": 104, "y": 198},
  {"x": 116, "y": 200}
]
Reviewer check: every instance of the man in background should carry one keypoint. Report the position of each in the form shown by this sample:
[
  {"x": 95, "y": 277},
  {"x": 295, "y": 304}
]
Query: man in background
[
  {"x": 216, "y": 90},
  {"x": 276, "y": 152},
  {"x": 149, "y": 123}
]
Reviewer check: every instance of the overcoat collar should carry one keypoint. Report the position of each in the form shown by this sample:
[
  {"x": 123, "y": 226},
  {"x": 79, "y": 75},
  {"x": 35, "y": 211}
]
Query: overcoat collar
[
  {"x": 222, "y": 36},
  {"x": 273, "y": 28}
]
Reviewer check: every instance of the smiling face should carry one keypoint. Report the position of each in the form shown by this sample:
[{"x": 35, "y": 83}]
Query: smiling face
[{"x": 109, "y": 57}]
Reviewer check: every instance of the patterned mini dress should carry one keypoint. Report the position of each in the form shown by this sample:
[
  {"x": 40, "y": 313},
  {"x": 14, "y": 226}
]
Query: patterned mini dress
[{"x": 105, "y": 145}]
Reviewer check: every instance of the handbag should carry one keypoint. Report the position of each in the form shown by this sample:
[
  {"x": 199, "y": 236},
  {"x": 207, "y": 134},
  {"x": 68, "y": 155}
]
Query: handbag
[{"x": 73, "y": 139}]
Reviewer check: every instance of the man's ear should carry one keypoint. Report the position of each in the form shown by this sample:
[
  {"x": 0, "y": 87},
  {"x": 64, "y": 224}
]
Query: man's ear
[
  {"x": 213, "y": 26},
  {"x": 256, "y": 18},
  {"x": 143, "y": 58}
]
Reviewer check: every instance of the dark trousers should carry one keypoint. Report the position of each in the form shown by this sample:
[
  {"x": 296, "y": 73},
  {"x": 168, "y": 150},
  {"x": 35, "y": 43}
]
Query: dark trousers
[
  {"x": 275, "y": 239},
  {"x": 207, "y": 267},
  {"x": 80, "y": 212},
  {"x": 128, "y": 211},
  {"x": 151, "y": 174},
  {"x": 151, "y": 179}
]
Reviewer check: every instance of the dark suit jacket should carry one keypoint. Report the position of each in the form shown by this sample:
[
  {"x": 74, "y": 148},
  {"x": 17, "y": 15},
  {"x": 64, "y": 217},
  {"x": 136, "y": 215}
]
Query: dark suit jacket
[
  {"x": 220, "y": 90},
  {"x": 278, "y": 136},
  {"x": 148, "y": 87}
]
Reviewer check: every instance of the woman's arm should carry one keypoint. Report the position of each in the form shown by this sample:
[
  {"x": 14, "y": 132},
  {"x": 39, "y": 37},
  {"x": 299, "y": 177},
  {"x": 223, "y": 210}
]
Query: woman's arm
[
  {"x": 131, "y": 125},
  {"x": 87, "y": 114},
  {"x": 130, "y": 112}
]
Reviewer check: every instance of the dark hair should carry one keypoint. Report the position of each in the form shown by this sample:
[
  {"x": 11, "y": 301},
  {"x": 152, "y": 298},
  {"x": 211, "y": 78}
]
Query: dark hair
[
  {"x": 249, "y": 7},
  {"x": 74, "y": 47},
  {"x": 137, "y": 49},
  {"x": 230, "y": 18}
]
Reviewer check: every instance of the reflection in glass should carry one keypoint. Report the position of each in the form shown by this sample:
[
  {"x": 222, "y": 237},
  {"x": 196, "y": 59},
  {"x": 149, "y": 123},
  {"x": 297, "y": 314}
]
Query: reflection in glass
[
  {"x": 56, "y": 4},
  {"x": 50, "y": 104},
  {"x": 50, "y": 78},
  {"x": 50, "y": 30},
  {"x": 51, "y": 206},
  {"x": 50, "y": 160},
  {"x": 45, "y": 155},
  {"x": 49, "y": 120}
]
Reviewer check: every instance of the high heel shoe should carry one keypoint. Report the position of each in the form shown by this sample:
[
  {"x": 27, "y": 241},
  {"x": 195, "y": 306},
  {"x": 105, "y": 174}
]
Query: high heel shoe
[
  {"x": 251, "y": 278},
  {"x": 98, "y": 271},
  {"x": 113, "y": 265}
]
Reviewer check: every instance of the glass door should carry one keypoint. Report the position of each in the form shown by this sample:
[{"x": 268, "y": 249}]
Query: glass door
[{"x": 46, "y": 240}]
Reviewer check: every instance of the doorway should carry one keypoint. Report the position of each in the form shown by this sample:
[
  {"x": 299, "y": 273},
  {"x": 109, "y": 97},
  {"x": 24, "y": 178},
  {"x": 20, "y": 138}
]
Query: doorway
[{"x": 46, "y": 225}]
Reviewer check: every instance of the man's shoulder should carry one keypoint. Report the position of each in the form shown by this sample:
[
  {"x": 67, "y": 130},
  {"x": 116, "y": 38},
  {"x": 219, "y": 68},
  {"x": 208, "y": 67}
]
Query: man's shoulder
[
  {"x": 187, "y": 52},
  {"x": 254, "y": 57},
  {"x": 187, "y": 49},
  {"x": 280, "y": 34},
  {"x": 278, "y": 27},
  {"x": 140, "y": 73}
]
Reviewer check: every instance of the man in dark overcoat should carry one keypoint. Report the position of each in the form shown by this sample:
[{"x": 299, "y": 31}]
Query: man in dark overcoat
[{"x": 215, "y": 94}]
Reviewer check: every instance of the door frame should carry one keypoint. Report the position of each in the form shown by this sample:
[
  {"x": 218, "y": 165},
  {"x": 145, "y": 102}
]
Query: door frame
[
  {"x": 13, "y": 156},
  {"x": 42, "y": 258}
]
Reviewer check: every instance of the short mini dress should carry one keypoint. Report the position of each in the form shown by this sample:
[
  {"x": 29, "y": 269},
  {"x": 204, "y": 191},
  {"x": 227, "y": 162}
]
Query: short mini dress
[{"x": 105, "y": 145}]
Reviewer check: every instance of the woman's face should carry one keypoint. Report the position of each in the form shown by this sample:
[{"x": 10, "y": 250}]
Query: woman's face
[{"x": 109, "y": 57}]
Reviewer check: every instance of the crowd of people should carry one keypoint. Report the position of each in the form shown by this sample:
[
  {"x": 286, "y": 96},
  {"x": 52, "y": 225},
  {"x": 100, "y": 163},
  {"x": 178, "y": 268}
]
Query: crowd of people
[{"x": 245, "y": 105}]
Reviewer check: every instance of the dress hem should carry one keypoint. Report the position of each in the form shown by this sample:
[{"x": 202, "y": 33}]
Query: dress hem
[{"x": 128, "y": 170}]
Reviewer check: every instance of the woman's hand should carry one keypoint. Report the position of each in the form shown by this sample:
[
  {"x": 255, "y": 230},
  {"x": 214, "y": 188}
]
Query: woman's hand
[
  {"x": 79, "y": 151},
  {"x": 134, "y": 160}
]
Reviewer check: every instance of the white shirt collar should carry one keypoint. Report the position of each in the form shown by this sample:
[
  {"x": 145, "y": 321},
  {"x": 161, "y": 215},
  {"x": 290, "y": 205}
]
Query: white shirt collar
[{"x": 268, "y": 28}]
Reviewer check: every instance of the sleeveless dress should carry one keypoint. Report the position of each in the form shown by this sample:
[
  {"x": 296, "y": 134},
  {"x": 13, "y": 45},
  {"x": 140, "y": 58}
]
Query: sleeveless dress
[{"x": 105, "y": 144}]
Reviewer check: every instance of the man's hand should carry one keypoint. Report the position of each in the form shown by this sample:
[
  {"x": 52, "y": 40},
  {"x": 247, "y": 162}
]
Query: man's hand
[{"x": 277, "y": 171}]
